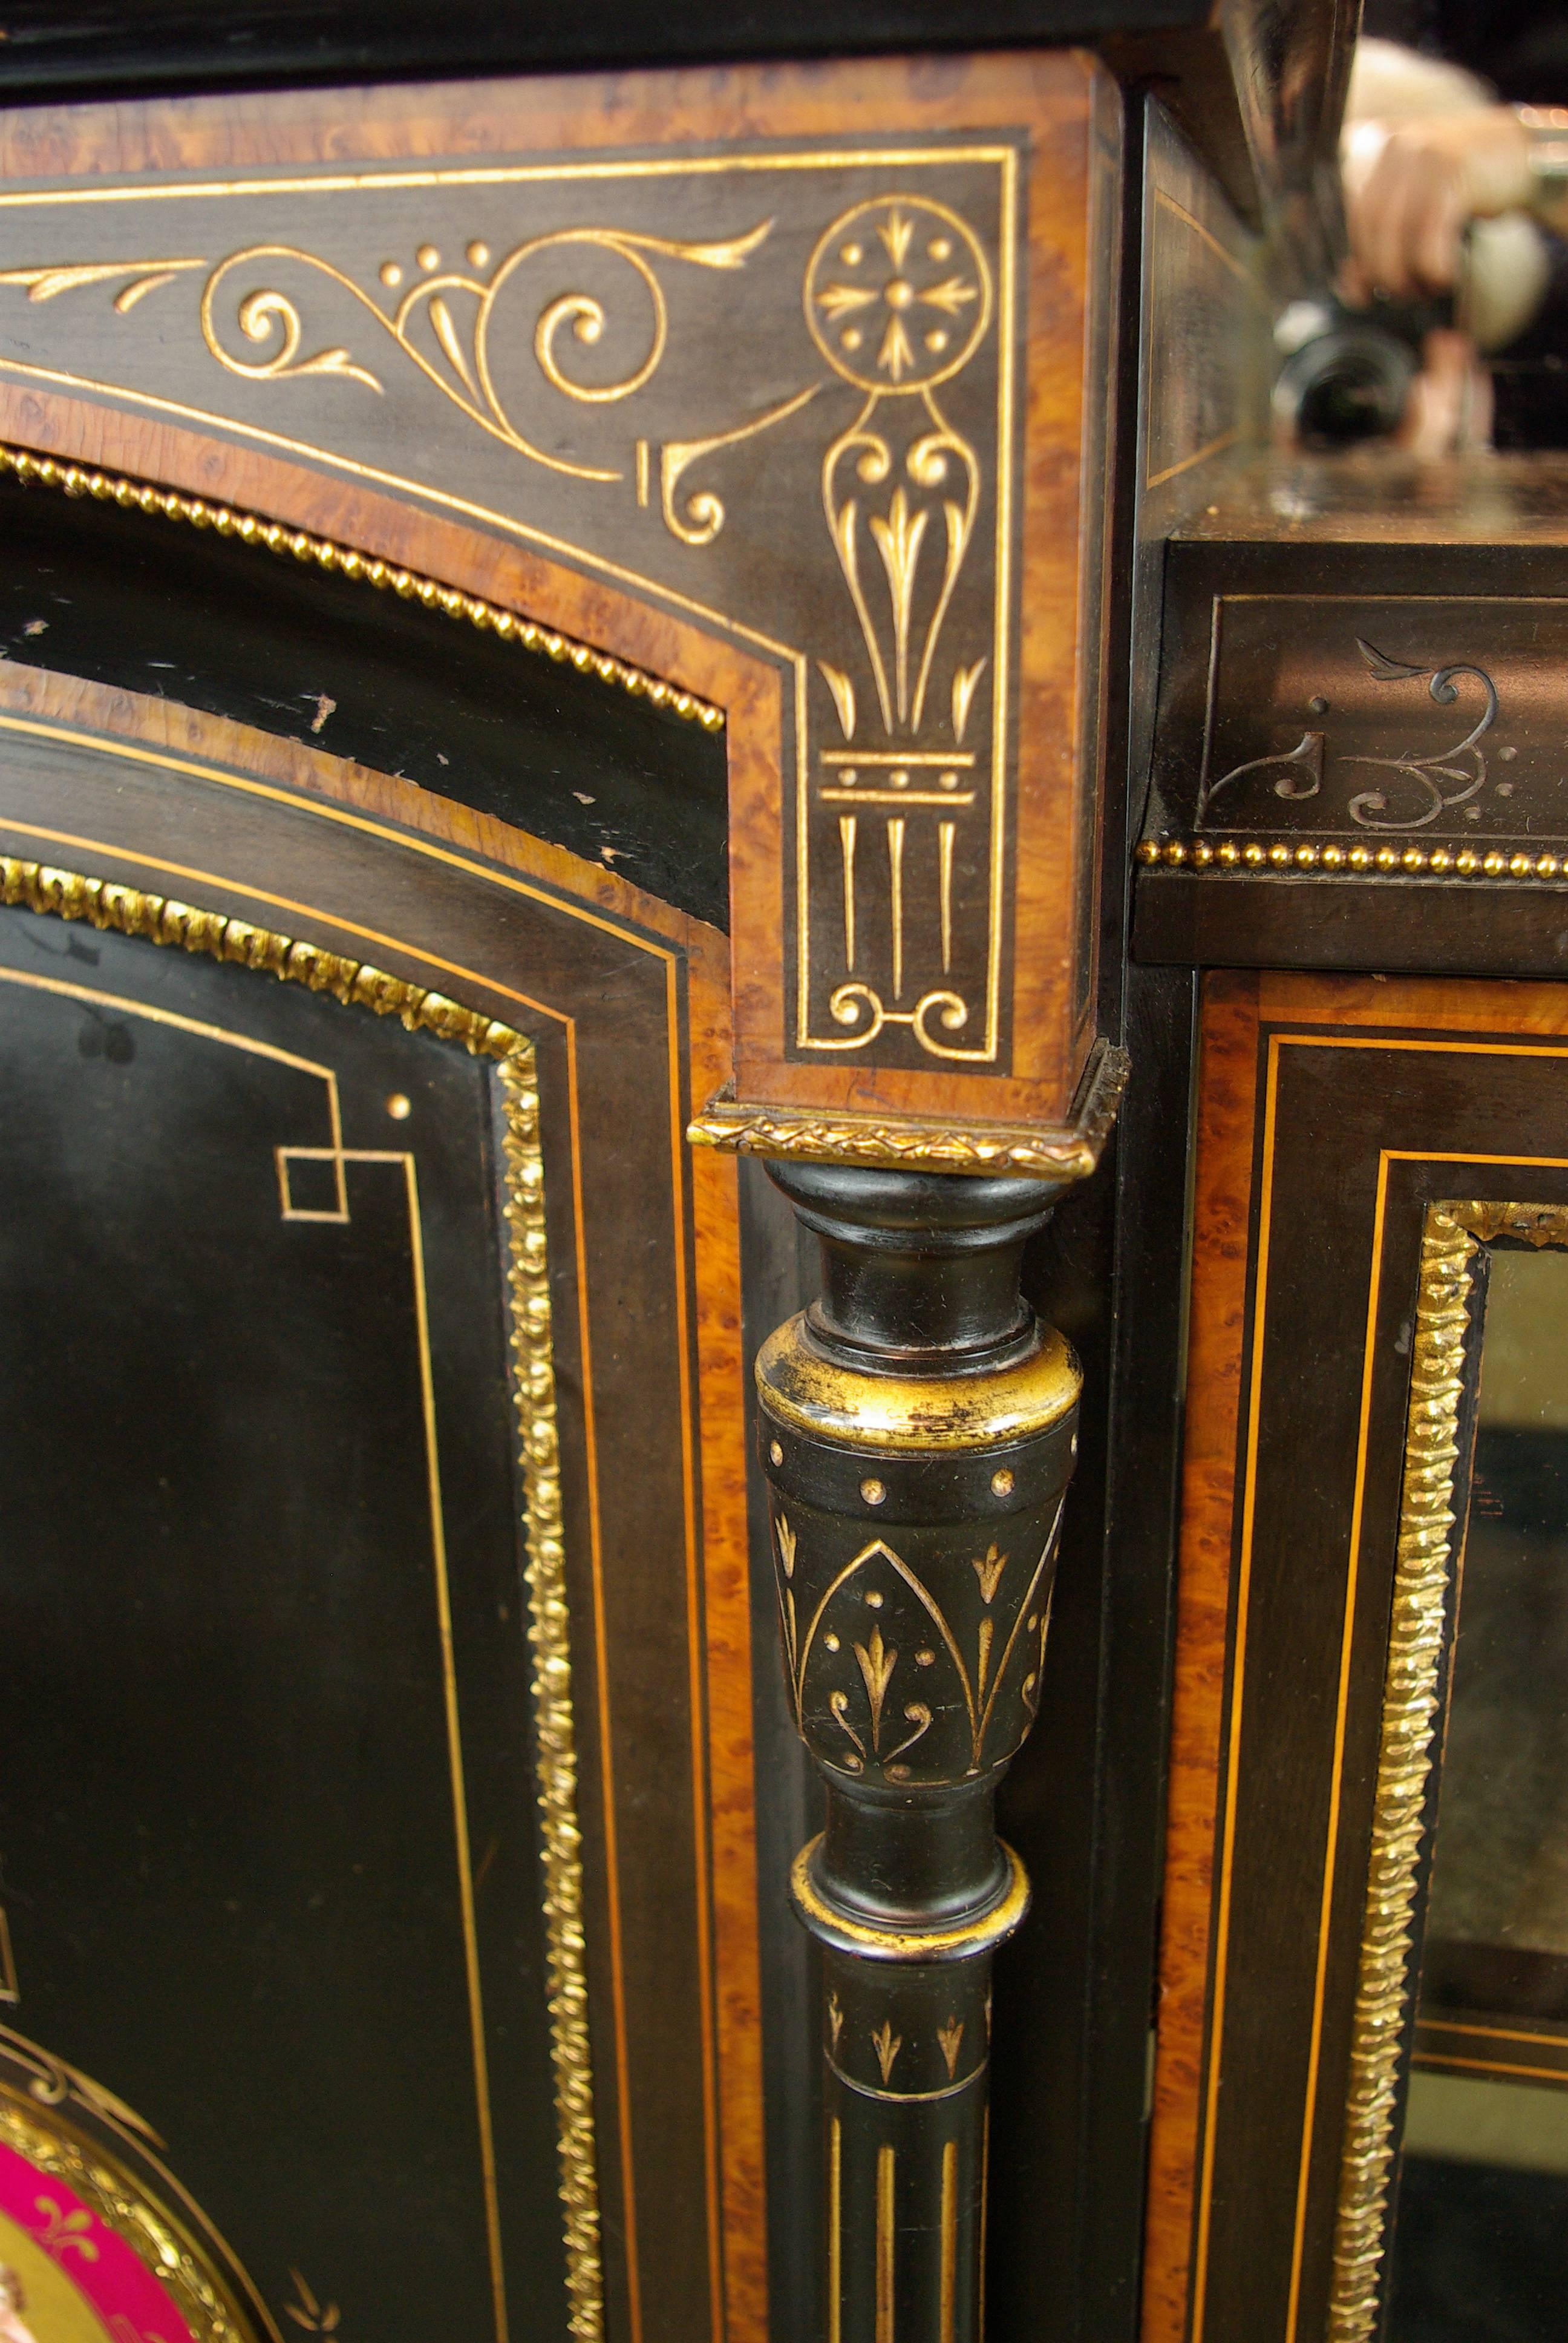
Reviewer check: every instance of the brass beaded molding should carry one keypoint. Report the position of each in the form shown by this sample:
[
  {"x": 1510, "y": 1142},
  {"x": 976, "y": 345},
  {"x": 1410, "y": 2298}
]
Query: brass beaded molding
[
  {"x": 1256, "y": 860},
  {"x": 250, "y": 528},
  {"x": 1431, "y": 1535},
  {"x": 67, "y": 895}
]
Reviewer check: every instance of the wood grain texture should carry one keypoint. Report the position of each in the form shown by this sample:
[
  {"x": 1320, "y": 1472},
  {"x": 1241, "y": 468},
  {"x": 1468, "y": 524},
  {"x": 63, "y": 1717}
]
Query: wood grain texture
[
  {"x": 721, "y": 1646},
  {"x": 1220, "y": 1246},
  {"x": 1456, "y": 1005},
  {"x": 1068, "y": 115}
]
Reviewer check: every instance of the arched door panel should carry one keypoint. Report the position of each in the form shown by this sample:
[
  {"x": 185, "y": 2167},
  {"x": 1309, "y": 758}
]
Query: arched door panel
[{"x": 358, "y": 1819}]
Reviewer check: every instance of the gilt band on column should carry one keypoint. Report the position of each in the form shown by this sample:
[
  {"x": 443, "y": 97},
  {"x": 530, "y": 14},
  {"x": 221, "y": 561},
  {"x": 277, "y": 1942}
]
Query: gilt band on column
[{"x": 918, "y": 1430}]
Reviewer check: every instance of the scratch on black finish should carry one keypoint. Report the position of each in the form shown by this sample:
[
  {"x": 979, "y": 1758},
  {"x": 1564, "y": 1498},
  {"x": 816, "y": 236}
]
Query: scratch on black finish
[{"x": 138, "y": 603}]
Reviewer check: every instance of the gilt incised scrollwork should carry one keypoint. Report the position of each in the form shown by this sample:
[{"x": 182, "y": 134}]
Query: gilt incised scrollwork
[
  {"x": 1392, "y": 733},
  {"x": 919, "y": 2055},
  {"x": 1461, "y": 762},
  {"x": 443, "y": 325},
  {"x": 73, "y": 2132},
  {"x": 863, "y": 345},
  {"x": 924, "y": 316},
  {"x": 899, "y": 298},
  {"x": 917, "y": 1430}
]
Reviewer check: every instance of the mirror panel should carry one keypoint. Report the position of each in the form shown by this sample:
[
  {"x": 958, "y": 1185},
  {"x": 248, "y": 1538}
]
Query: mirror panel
[{"x": 1480, "y": 2241}]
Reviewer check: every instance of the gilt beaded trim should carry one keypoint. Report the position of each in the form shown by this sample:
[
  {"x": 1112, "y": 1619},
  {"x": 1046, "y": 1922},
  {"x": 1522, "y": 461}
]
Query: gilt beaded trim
[
  {"x": 1279, "y": 860},
  {"x": 251, "y": 529}
]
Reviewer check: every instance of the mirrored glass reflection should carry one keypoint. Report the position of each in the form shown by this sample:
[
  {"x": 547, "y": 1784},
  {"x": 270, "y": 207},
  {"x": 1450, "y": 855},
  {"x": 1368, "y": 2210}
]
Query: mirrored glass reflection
[{"x": 1480, "y": 2246}]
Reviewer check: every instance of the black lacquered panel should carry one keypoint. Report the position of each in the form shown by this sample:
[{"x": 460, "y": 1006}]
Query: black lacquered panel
[{"x": 268, "y": 1836}]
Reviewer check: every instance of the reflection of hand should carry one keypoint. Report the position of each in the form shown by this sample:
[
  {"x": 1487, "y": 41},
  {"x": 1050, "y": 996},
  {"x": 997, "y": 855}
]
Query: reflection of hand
[
  {"x": 1449, "y": 409},
  {"x": 1411, "y": 187}
]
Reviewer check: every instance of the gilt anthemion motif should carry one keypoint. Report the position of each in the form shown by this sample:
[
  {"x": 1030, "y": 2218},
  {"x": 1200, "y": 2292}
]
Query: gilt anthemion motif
[{"x": 884, "y": 1657}]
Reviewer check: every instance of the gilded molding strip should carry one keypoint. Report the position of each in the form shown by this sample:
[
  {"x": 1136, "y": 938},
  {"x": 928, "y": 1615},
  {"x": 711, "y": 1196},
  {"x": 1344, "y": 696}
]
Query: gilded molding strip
[
  {"x": 549, "y": 1634},
  {"x": 965, "y": 1940},
  {"x": 1280, "y": 859},
  {"x": 251, "y": 529},
  {"x": 1431, "y": 1538},
  {"x": 909, "y": 1142},
  {"x": 104, "y": 903}
]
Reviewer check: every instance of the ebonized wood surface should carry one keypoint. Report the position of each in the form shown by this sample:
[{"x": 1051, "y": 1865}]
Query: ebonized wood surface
[
  {"x": 1408, "y": 927},
  {"x": 150, "y": 606},
  {"x": 160, "y": 44},
  {"x": 237, "y": 1871}
]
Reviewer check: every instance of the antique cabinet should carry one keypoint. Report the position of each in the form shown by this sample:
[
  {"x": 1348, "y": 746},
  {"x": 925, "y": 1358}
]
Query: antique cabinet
[{"x": 768, "y": 1034}]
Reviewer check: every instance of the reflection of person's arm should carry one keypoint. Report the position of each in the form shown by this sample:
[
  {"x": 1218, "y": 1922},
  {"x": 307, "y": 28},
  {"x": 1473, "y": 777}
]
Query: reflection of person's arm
[
  {"x": 1412, "y": 187},
  {"x": 1546, "y": 128}
]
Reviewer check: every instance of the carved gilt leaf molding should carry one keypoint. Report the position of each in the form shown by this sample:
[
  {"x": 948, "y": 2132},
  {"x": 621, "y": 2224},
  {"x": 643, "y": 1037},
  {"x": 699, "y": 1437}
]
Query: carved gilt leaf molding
[{"x": 1444, "y": 1360}]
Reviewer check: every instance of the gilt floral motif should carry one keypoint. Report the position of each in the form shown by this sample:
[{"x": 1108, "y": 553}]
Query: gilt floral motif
[{"x": 916, "y": 1671}]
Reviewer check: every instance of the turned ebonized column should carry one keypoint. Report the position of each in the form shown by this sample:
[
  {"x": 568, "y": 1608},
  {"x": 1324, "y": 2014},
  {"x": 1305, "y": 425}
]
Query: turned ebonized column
[{"x": 918, "y": 1430}]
